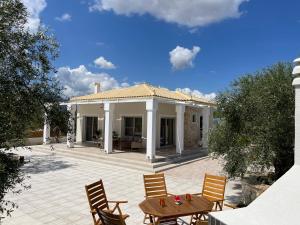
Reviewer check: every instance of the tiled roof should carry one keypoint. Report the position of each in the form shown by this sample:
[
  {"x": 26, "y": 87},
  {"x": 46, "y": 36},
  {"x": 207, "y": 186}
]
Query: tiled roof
[{"x": 142, "y": 91}]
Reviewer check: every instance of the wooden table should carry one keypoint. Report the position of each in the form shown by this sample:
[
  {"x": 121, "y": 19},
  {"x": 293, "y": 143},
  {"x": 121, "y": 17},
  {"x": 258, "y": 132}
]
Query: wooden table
[{"x": 198, "y": 205}]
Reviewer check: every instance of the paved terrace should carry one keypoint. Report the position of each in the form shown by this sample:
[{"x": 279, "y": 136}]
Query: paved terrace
[{"x": 57, "y": 194}]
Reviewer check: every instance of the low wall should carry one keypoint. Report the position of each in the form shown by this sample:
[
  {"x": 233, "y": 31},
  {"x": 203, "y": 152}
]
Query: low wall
[{"x": 39, "y": 140}]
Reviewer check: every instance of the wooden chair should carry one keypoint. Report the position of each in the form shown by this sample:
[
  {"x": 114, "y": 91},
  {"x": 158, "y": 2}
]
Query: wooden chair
[
  {"x": 108, "y": 218},
  {"x": 213, "y": 189},
  {"x": 155, "y": 187},
  {"x": 97, "y": 200}
]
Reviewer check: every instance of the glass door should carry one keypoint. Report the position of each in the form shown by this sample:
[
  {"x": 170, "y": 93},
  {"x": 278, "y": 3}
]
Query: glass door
[
  {"x": 167, "y": 131},
  {"x": 91, "y": 126}
]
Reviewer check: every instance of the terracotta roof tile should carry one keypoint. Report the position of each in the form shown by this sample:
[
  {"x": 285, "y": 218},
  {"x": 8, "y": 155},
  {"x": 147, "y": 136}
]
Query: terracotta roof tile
[{"x": 142, "y": 91}]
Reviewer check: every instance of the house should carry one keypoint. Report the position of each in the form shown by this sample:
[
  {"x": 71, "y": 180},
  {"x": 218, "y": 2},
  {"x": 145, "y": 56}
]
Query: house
[
  {"x": 280, "y": 203},
  {"x": 140, "y": 116}
]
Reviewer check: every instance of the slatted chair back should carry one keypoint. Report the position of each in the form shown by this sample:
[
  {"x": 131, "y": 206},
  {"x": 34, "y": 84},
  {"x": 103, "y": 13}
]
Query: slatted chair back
[
  {"x": 214, "y": 188},
  {"x": 96, "y": 196},
  {"x": 108, "y": 218},
  {"x": 155, "y": 185}
]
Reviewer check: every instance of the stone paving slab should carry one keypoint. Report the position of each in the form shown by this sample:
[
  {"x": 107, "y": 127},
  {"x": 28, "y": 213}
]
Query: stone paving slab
[{"x": 57, "y": 195}]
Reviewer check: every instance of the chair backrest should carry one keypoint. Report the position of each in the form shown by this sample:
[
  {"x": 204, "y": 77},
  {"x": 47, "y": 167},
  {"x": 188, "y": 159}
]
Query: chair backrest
[
  {"x": 155, "y": 185},
  {"x": 96, "y": 195},
  {"x": 108, "y": 218},
  {"x": 214, "y": 187}
]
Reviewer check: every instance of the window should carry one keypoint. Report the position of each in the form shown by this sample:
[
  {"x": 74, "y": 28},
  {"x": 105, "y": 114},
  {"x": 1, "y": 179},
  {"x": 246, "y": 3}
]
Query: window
[
  {"x": 194, "y": 118},
  {"x": 133, "y": 126}
]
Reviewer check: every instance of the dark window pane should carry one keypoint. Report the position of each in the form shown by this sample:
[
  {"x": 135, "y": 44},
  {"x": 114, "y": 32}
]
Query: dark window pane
[{"x": 133, "y": 126}]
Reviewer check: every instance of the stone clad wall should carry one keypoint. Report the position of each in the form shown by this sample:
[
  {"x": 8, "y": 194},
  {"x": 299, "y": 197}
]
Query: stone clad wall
[{"x": 191, "y": 129}]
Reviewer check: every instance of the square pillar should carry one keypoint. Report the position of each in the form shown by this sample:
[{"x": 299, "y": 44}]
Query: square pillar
[
  {"x": 180, "y": 109},
  {"x": 206, "y": 119},
  {"x": 296, "y": 84},
  {"x": 71, "y": 128},
  {"x": 108, "y": 112},
  {"x": 79, "y": 128},
  {"x": 151, "y": 107},
  {"x": 46, "y": 131}
]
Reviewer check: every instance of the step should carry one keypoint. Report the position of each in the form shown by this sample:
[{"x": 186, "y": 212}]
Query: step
[
  {"x": 99, "y": 156},
  {"x": 158, "y": 166},
  {"x": 180, "y": 163},
  {"x": 106, "y": 161}
]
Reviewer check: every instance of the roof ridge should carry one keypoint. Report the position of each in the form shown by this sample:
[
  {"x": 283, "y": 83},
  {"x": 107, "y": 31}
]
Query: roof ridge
[{"x": 150, "y": 88}]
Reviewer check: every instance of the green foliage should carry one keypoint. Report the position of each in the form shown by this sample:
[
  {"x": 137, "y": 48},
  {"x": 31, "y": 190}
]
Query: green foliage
[
  {"x": 257, "y": 122},
  {"x": 26, "y": 85}
]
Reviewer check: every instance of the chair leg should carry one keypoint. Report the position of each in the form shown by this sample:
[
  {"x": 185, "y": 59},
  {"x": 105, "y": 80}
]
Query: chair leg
[{"x": 146, "y": 217}]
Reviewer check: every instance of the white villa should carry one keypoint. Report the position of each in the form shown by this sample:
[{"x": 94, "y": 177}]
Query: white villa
[{"x": 140, "y": 117}]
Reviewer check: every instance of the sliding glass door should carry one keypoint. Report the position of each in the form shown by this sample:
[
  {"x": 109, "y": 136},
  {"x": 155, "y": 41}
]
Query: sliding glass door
[
  {"x": 167, "y": 131},
  {"x": 91, "y": 126}
]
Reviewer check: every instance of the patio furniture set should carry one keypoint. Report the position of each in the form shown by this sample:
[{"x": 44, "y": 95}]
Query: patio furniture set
[
  {"x": 132, "y": 143},
  {"x": 159, "y": 206}
]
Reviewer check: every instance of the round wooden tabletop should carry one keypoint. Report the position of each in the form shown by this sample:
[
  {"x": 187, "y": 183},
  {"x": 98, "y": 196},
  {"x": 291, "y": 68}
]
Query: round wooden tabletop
[{"x": 197, "y": 205}]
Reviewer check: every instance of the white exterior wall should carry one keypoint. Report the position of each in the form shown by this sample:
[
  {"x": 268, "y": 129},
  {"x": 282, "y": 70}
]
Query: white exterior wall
[
  {"x": 164, "y": 111},
  {"x": 92, "y": 110},
  {"x": 129, "y": 109}
]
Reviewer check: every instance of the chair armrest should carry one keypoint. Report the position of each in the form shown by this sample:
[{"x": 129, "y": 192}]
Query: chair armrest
[
  {"x": 117, "y": 207},
  {"x": 170, "y": 194},
  {"x": 118, "y": 202}
]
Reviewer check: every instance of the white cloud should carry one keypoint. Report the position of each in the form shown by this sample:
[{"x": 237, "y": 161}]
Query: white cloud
[
  {"x": 64, "y": 17},
  {"x": 191, "y": 13},
  {"x": 197, "y": 93},
  {"x": 80, "y": 81},
  {"x": 34, "y": 9},
  {"x": 181, "y": 58},
  {"x": 103, "y": 63}
]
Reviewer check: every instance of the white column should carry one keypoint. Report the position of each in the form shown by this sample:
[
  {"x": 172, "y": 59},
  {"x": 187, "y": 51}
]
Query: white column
[
  {"x": 180, "y": 109},
  {"x": 151, "y": 107},
  {"x": 46, "y": 132},
  {"x": 108, "y": 111},
  {"x": 79, "y": 128},
  {"x": 71, "y": 124},
  {"x": 296, "y": 84},
  {"x": 206, "y": 119}
]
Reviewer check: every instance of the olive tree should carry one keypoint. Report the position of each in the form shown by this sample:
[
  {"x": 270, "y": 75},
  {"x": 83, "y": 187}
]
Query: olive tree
[
  {"x": 256, "y": 126},
  {"x": 27, "y": 87}
]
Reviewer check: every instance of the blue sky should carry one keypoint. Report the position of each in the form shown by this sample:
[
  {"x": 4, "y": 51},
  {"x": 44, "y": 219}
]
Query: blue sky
[{"x": 201, "y": 46}]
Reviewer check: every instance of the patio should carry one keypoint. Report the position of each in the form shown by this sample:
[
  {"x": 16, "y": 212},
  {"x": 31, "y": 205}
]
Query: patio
[{"x": 57, "y": 194}]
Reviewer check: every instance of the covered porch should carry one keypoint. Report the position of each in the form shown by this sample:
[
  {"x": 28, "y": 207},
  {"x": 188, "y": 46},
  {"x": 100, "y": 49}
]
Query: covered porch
[{"x": 157, "y": 122}]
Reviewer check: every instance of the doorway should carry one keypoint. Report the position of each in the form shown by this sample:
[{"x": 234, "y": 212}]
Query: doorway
[
  {"x": 91, "y": 126},
  {"x": 167, "y": 131}
]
